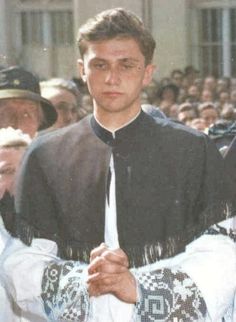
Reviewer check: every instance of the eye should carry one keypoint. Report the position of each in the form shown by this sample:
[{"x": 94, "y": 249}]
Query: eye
[
  {"x": 100, "y": 66},
  {"x": 128, "y": 66},
  {"x": 7, "y": 172}
]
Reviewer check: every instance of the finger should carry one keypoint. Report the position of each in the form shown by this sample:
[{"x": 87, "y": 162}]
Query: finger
[
  {"x": 101, "y": 264},
  {"x": 98, "y": 251},
  {"x": 100, "y": 279},
  {"x": 116, "y": 256},
  {"x": 95, "y": 264}
]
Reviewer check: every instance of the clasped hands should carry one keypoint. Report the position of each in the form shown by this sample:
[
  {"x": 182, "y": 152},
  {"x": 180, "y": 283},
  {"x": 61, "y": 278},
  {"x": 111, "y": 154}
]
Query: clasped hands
[{"x": 108, "y": 272}]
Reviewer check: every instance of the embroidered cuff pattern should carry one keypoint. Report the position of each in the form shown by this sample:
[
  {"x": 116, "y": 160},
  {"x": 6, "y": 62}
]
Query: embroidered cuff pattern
[
  {"x": 64, "y": 295},
  {"x": 168, "y": 295}
]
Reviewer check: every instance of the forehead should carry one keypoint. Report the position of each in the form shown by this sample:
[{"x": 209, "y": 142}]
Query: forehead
[
  {"x": 18, "y": 103},
  {"x": 57, "y": 94},
  {"x": 209, "y": 111},
  {"x": 112, "y": 49}
]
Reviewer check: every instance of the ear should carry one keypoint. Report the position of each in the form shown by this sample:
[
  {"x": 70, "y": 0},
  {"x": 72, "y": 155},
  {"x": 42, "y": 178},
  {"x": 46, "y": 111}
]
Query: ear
[
  {"x": 149, "y": 70},
  {"x": 81, "y": 69}
]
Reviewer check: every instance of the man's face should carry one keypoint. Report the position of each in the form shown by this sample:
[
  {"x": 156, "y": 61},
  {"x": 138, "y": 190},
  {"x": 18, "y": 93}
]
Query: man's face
[
  {"x": 115, "y": 73},
  {"x": 193, "y": 91},
  {"x": 20, "y": 114},
  {"x": 209, "y": 115},
  {"x": 64, "y": 102},
  {"x": 177, "y": 79},
  {"x": 207, "y": 96},
  {"x": 9, "y": 162},
  {"x": 186, "y": 117}
]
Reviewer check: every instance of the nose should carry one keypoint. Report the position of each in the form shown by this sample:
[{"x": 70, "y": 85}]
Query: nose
[{"x": 113, "y": 76}]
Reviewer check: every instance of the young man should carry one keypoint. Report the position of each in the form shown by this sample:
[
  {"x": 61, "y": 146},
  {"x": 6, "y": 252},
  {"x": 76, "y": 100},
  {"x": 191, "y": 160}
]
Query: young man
[{"x": 123, "y": 194}]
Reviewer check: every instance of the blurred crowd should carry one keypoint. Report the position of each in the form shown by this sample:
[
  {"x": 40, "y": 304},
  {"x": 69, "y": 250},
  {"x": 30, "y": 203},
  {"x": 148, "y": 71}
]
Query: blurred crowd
[{"x": 195, "y": 101}]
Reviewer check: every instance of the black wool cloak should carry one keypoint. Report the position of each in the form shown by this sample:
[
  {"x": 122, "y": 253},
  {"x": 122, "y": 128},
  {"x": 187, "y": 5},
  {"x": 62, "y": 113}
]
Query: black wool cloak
[{"x": 170, "y": 188}]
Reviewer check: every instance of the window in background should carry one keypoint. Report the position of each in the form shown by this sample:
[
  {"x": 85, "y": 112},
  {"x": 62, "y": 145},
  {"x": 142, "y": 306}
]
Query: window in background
[
  {"x": 218, "y": 41},
  {"x": 53, "y": 28}
]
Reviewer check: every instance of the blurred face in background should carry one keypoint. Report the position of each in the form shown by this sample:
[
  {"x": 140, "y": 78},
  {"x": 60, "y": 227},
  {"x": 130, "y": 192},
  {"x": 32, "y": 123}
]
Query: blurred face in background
[
  {"x": 206, "y": 96},
  {"x": 224, "y": 97},
  {"x": 177, "y": 78},
  {"x": 233, "y": 97},
  {"x": 194, "y": 92},
  {"x": 209, "y": 115},
  {"x": 198, "y": 124},
  {"x": 22, "y": 114},
  {"x": 65, "y": 103},
  {"x": 186, "y": 117},
  {"x": 221, "y": 85},
  {"x": 210, "y": 83}
]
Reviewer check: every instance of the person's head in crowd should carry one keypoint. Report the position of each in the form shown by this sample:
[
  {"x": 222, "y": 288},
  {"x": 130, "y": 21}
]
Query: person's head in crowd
[
  {"x": 233, "y": 98},
  {"x": 198, "y": 124},
  {"x": 177, "y": 77},
  {"x": 224, "y": 98},
  {"x": 186, "y": 113},
  {"x": 222, "y": 85},
  {"x": 193, "y": 93},
  {"x": 232, "y": 84},
  {"x": 13, "y": 144},
  {"x": 171, "y": 112},
  {"x": 207, "y": 96},
  {"x": 199, "y": 83},
  {"x": 190, "y": 74},
  {"x": 168, "y": 96},
  {"x": 210, "y": 83},
  {"x": 182, "y": 95},
  {"x": 65, "y": 97},
  {"x": 169, "y": 93},
  {"x": 228, "y": 113},
  {"x": 151, "y": 91},
  {"x": 21, "y": 104},
  {"x": 208, "y": 112}
]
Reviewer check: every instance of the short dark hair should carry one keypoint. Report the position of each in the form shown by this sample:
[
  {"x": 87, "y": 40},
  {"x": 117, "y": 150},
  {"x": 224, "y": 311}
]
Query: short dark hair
[{"x": 114, "y": 23}]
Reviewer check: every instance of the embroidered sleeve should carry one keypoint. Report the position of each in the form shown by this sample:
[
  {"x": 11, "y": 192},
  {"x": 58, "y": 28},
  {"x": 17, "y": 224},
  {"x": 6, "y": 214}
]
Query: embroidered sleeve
[
  {"x": 168, "y": 295},
  {"x": 64, "y": 292}
]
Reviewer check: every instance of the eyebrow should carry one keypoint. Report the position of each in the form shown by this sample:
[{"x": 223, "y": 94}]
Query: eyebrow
[{"x": 126, "y": 59}]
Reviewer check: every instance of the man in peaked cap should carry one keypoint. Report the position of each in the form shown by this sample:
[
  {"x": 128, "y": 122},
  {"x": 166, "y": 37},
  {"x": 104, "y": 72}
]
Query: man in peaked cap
[{"x": 21, "y": 105}]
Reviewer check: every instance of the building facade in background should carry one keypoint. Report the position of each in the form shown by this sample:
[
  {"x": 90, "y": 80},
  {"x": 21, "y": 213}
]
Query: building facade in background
[{"x": 40, "y": 35}]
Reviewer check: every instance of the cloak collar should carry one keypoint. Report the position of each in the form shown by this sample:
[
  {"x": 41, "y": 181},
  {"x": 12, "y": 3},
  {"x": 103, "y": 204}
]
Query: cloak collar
[{"x": 121, "y": 135}]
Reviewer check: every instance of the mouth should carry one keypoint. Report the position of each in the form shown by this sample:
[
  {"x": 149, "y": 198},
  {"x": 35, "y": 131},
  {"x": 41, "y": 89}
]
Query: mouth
[{"x": 112, "y": 94}]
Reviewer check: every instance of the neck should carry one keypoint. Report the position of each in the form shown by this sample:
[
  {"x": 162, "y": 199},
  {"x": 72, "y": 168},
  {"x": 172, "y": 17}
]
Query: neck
[{"x": 113, "y": 121}]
